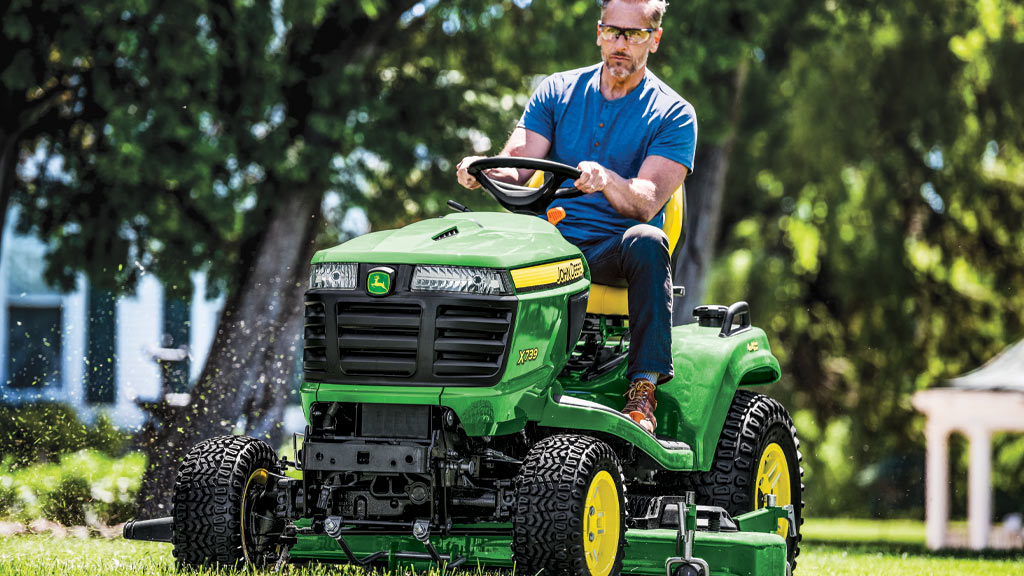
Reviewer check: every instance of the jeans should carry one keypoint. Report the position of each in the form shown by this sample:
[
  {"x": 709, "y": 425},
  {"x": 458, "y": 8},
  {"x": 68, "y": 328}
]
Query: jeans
[{"x": 640, "y": 260}]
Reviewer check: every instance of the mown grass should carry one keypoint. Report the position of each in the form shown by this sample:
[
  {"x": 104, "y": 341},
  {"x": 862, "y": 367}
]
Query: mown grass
[
  {"x": 848, "y": 547},
  {"x": 844, "y": 530},
  {"x": 831, "y": 548},
  {"x": 865, "y": 559}
]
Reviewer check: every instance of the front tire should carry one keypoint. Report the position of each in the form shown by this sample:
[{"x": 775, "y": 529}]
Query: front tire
[
  {"x": 210, "y": 494},
  {"x": 758, "y": 453},
  {"x": 570, "y": 509}
]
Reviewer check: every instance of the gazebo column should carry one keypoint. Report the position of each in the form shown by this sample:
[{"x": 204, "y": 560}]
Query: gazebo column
[
  {"x": 979, "y": 495},
  {"x": 936, "y": 484}
]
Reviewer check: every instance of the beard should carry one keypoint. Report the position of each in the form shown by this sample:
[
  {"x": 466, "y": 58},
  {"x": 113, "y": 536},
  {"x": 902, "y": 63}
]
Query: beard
[{"x": 622, "y": 68}]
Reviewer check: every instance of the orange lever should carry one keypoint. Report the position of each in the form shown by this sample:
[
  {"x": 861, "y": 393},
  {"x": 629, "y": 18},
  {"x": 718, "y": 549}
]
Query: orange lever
[{"x": 556, "y": 215}]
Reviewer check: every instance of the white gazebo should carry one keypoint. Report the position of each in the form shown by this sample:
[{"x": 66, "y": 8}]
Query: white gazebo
[{"x": 977, "y": 404}]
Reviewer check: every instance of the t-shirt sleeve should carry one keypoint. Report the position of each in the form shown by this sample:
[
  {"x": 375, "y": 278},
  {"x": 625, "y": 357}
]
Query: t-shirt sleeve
[
  {"x": 539, "y": 115},
  {"x": 676, "y": 138}
]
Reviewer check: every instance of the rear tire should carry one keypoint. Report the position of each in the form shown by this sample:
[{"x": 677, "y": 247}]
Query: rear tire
[
  {"x": 208, "y": 497},
  {"x": 758, "y": 453},
  {"x": 570, "y": 513}
]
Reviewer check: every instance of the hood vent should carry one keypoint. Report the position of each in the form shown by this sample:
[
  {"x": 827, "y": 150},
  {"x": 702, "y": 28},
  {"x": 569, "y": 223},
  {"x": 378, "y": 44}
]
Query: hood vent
[{"x": 447, "y": 233}]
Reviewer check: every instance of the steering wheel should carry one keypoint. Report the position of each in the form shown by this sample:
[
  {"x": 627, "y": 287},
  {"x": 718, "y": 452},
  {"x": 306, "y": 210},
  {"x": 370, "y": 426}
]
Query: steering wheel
[{"x": 515, "y": 198}]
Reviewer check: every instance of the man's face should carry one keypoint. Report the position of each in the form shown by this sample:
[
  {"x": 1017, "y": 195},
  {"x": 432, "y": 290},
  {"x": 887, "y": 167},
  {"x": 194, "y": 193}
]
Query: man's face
[{"x": 621, "y": 58}]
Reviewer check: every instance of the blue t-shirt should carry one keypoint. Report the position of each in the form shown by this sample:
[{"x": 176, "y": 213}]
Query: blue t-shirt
[{"x": 652, "y": 120}]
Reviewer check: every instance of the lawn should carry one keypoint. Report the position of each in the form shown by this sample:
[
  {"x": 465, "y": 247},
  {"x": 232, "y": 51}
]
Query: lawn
[{"x": 831, "y": 548}]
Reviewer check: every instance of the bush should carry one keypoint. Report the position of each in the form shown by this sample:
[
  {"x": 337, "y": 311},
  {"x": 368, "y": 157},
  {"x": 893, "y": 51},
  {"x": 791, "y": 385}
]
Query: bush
[
  {"x": 67, "y": 503},
  {"x": 8, "y": 495},
  {"x": 106, "y": 437},
  {"x": 43, "y": 431},
  {"x": 115, "y": 512},
  {"x": 85, "y": 486}
]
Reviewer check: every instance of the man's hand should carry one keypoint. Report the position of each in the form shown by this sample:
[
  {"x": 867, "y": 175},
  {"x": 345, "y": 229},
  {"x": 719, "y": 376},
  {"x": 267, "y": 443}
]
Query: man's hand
[
  {"x": 640, "y": 198},
  {"x": 594, "y": 177},
  {"x": 467, "y": 180}
]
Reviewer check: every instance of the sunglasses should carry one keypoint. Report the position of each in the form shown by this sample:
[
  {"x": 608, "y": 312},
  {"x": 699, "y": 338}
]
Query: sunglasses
[{"x": 633, "y": 35}]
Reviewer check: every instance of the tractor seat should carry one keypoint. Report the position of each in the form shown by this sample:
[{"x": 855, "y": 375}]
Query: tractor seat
[{"x": 612, "y": 300}]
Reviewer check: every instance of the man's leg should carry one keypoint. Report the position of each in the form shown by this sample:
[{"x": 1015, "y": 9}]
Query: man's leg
[
  {"x": 641, "y": 257},
  {"x": 647, "y": 267}
]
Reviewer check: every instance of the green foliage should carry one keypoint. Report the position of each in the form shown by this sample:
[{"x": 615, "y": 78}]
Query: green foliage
[
  {"x": 86, "y": 486},
  {"x": 8, "y": 496},
  {"x": 873, "y": 218},
  {"x": 1008, "y": 472},
  {"x": 43, "y": 431},
  {"x": 873, "y": 203},
  {"x": 66, "y": 505},
  {"x": 370, "y": 103}
]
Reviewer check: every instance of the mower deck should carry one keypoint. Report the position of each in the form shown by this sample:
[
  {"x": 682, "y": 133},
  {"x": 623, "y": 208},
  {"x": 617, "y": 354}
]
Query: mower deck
[{"x": 728, "y": 553}]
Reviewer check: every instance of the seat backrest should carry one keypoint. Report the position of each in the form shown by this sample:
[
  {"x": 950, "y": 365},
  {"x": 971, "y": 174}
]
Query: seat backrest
[{"x": 675, "y": 220}]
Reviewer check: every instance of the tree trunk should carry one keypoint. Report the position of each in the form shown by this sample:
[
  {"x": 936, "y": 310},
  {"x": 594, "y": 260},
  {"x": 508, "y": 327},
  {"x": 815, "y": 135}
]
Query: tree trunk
[
  {"x": 259, "y": 327},
  {"x": 276, "y": 383},
  {"x": 704, "y": 194},
  {"x": 252, "y": 330}
]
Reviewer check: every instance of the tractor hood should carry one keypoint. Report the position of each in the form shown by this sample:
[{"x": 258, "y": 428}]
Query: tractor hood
[{"x": 486, "y": 239}]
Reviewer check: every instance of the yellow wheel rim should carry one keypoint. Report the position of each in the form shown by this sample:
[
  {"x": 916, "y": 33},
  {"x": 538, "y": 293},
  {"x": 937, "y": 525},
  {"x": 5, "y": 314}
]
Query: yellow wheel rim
[
  {"x": 773, "y": 478},
  {"x": 601, "y": 528},
  {"x": 257, "y": 481}
]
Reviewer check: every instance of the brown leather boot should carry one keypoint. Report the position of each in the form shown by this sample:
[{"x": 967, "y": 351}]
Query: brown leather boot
[{"x": 640, "y": 404}]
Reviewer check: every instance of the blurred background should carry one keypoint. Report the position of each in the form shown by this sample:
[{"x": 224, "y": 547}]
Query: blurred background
[{"x": 168, "y": 169}]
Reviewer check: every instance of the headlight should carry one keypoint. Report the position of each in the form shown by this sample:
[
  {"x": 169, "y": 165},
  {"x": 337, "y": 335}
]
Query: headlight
[
  {"x": 459, "y": 279},
  {"x": 333, "y": 275}
]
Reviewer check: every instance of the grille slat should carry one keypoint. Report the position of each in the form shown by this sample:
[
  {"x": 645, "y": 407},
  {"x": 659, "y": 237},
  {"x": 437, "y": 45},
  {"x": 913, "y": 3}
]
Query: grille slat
[
  {"x": 386, "y": 366},
  {"x": 495, "y": 347},
  {"x": 314, "y": 347},
  {"x": 470, "y": 341},
  {"x": 463, "y": 368},
  {"x": 371, "y": 320},
  {"x": 378, "y": 339},
  {"x": 469, "y": 323},
  {"x": 357, "y": 342}
]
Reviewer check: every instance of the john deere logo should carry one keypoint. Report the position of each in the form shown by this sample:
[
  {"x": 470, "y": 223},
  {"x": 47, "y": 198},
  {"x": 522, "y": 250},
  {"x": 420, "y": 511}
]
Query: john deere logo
[{"x": 378, "y": 281}]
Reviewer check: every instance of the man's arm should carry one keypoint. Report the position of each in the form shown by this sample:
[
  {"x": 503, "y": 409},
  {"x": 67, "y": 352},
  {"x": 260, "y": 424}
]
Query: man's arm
[
  {"x": 639, "y": 198},
  {"x": 522, "y": 143}
]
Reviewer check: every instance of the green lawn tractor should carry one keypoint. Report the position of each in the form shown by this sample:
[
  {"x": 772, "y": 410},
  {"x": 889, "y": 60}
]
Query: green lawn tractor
[{"x": 462, "y": 385}]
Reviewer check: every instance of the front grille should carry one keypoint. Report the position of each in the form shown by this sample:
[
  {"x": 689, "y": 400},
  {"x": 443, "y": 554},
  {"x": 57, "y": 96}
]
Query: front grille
[
  {"x": 378, "y": 339},
  {"x": 470, "y": 340},
  {"x": 314, "y": 350},
  {"x": 407, "y": 338}
]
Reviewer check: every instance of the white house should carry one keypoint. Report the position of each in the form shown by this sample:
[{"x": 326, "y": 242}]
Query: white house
[{"x": 86, "y": 348}]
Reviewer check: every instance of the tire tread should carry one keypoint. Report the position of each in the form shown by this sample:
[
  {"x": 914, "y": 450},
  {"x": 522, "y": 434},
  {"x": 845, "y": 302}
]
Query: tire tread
[
  {"x": 551, "y": 491},
  {"x": 727, "y": 484},
  {"x": 207, "y": 500}
]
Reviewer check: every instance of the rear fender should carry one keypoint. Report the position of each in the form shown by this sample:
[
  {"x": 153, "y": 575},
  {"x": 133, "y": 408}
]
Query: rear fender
[{"x": 708, "y": 369}]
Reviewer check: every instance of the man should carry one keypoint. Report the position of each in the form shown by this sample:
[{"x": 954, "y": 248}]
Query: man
[{"x": 633, "y": 139}]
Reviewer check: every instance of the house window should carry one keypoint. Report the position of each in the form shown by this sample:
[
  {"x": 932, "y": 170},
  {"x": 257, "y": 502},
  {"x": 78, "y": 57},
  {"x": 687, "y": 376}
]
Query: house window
[
  {"x": 177, "y": 328},
  {"x": 99, "y": 373},
  {"x": 34, "y": 347}
]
